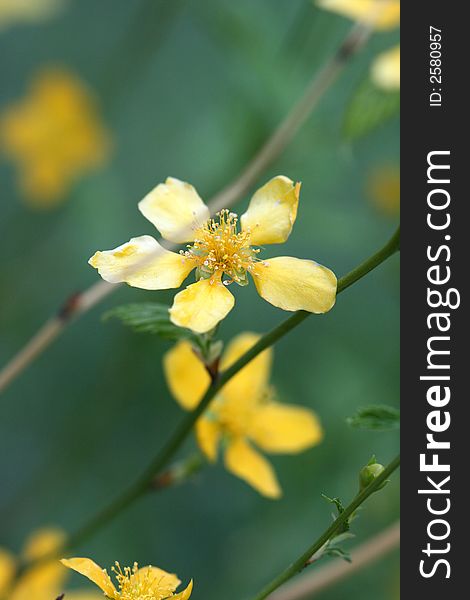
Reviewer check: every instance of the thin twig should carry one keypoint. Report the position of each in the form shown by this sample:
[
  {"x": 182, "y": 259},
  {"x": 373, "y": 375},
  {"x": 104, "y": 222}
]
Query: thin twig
[
  {"x": 362, "y": 556},
  {"x": 273, "y": 147}
]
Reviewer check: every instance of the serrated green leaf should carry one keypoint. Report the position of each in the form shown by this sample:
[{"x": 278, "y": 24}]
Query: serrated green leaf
[
  {"x": 369, "y": 108},
  {"x": 378, "y": 417},
  {"x": 148, "y": 317}
]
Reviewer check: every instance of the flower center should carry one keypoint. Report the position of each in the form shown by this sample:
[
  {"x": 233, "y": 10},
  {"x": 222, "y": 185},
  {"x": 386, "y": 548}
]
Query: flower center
[
  {"x": 220, "y": 248},
  {"x": 135, "y": 584}
]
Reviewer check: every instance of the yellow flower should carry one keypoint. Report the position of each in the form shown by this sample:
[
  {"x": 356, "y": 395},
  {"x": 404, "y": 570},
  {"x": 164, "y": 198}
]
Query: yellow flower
[
  {"x": 147, "y": 583},
  {"x": 245, "y": 413},
  {"x": 28, "y": 11},
  {"x": 383, "y": 189},
  {"x": 54, "y": 136},
  {"x": 385, "y": 71},
  {"x": 380, "y": 14},
  {"x": 218, "y": 248},
  {"x": 44, "y": 582}
]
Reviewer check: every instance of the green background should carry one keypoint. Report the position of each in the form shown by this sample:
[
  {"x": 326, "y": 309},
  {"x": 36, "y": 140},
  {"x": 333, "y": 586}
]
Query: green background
[{"x": 191, "y": 89}]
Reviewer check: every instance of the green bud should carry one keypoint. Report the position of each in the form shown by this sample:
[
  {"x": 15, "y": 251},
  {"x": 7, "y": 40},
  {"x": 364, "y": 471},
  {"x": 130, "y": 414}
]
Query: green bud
[{"x": 370, "y": 472}]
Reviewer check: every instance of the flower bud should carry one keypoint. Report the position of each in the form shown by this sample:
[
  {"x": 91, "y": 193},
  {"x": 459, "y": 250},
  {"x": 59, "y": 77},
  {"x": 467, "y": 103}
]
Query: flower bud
[{"x": 368, "y": 473}]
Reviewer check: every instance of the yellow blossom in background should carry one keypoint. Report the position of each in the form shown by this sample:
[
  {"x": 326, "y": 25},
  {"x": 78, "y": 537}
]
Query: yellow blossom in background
[
  {"x": 27, "y": 11},
  {"x": 147, "y": 583},
  {"x": 385, "y": 71},
  {"x": 221, "y": 254},
  {"x": 380, "y": 14},
  {"x": 383, "y": 189},
  {"x": 43, "y": 582},
  {"x": 245, "y": 415},
  {"x": 54, "y": 136}
]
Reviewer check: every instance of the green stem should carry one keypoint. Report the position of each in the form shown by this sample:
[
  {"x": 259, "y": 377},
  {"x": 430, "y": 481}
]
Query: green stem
[
  {"x": 144, "y": 482},
  {"x": 299, "y": 564}
]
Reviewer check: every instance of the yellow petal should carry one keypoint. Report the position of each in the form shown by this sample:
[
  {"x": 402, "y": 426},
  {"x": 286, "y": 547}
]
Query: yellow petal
[
  {"x": 245, "y": 462},
  {"x": 380, "y": 14},
  {"x": 202, "y": 305},
  {"x": 385, "y": 71},
  {"x": 43, "y": 542},
  {"x": 156, "y": 580},
  {"x": 7, "y": 570},
  {"x": 47, "y": 579},
  {"x": 184, "y": 595},
  {"x": 247, "y": 384},
  {"x": 295, "y": 284},
  {"x": 88, "y": 568},
  {"x": 284, "y": 428},
  {"x": 208, "y": 436},
  {"x": 78, "y": 595},
  {"x": 272, "y": 212},
  {"x": 142, "y": 263},
  {"x": 176, "y": 210},
  {"x": 185, "y": 374}
]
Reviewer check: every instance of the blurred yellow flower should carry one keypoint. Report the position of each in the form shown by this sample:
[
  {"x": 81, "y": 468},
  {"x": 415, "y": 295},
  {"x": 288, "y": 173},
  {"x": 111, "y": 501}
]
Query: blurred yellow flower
[
  {"x": 28, "y": 11},
  {"x": 385, "y": 71},
  {"x": 380, "y": 14},
  {"x": 44, "y": 582},
  {"x": 147, "y": 583},
  {"x": 245, "y": 413},
  {"x": 54, "y": 136},
  {"x": 383, "y": 189},
  {"x": 217, "y": 247}
]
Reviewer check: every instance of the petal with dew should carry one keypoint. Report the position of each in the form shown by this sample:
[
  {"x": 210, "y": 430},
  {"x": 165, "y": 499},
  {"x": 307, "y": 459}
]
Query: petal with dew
[
  {"x": 385, "y": 70},
  {"x": 88, "y": 568},
  {"x": 272, "y": 212},
  {"x": 248, "y": 384},
  {"x": 245, "y": 462},
  {"x": 295, "y": 284},
  {"x": 7, "y": 570},
  {"x": 176, "y": 210},
  {"x": 184, "y": 595},
  {"x": 208, "y": 435},
  {"x": 284, "y": 428},
  {"x": 185, "y": 374},
  {"x": 161, "y": 583},
  {"x": 202, "y": 305},
  {"x": 382, "y": 14},
  {"x": 142, "y": 263}
]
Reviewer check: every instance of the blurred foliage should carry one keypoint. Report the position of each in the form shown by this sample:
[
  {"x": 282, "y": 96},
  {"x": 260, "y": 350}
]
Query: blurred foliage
[
  {"x": 370, "y": 107},
  {"x": 190, "y": 90},
  {"x": 379, "y": 417}
]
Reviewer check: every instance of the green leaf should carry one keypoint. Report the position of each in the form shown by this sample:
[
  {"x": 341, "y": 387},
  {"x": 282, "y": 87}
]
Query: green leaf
[
  {"x": 369, "y": 108},
  {"x": 148, "y": 317},
  {"x": 378, "y": 417}
]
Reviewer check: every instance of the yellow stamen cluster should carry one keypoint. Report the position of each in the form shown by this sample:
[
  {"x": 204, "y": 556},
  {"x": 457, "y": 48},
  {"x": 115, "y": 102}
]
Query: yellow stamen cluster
[
  {"x": 134, "y": 584},
  {"x": 220, "y": 248}
]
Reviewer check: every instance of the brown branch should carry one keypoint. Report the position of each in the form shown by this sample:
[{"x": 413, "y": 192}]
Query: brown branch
[{"x": 362, "y": 556}]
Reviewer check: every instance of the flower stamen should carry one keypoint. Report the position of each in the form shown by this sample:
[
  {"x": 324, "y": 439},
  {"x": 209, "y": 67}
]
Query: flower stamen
[{"x": 220, "y": 248}]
